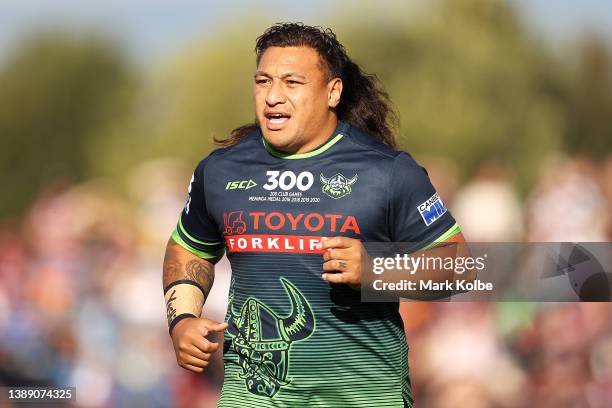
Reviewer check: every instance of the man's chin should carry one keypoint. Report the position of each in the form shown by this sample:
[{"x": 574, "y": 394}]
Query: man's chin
[{"x": 278, "y": 139}]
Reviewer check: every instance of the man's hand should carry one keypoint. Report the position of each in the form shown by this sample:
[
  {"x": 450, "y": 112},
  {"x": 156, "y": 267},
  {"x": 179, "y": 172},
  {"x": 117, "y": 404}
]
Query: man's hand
[
  {"x": 192, "y": 348},
  {"x": 342, "y": 261}
]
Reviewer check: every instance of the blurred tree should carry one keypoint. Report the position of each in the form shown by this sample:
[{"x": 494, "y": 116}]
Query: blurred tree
[
  {"x": 203, "y": 92},
  {"x": 56, "y": 92},
  {"x": 588, "y": 98},
  {"x": 470, "y": 84},
  {"x": 468, "y": 80}
]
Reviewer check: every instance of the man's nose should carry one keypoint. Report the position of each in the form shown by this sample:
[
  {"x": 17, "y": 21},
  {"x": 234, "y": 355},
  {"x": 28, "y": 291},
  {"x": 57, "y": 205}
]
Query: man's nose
[{"x": 275, "y": 94}]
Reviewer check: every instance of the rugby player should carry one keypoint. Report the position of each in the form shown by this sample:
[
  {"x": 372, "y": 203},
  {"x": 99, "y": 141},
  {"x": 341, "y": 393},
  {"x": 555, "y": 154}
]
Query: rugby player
[{"x": 290, "y": 199}]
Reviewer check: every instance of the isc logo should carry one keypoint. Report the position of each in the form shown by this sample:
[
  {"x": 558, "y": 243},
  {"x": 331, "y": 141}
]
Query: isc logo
[{"x": 240, "y": 184}]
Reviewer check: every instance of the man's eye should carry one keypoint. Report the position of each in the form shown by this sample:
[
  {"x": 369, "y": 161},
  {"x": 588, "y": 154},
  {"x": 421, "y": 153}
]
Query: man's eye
[
  {"x": 292, "y": 82},
  {"x": 262, "y": 81}
]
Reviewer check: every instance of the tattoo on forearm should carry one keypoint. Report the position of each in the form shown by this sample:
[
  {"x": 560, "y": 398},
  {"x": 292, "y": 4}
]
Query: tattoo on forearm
[
  {"x": 170, "y": 310},
  {"x": 201, "y": 272},
  {"x": 179, "y": 265}
]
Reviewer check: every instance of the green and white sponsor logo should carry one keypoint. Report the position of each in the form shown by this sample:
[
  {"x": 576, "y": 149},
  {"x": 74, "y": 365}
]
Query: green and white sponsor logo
[
  {"x": 337, "y": 186},
  {"x": 240, "y": 185}
]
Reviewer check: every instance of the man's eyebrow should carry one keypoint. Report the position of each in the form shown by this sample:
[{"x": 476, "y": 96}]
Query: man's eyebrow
[
  {"x": 293, "y": 74},
  {"x": 288, "y": 74}
]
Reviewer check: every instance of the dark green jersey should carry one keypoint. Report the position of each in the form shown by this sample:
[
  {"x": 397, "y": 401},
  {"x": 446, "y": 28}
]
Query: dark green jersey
[{"x": 295, "y": 340}]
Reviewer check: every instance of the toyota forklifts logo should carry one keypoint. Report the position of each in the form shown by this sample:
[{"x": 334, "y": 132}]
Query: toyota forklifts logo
[{"x": 233, "y": 223}]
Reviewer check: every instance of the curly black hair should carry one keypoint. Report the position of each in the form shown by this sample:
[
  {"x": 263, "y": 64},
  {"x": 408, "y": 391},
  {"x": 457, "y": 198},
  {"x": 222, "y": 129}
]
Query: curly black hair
[{"x": 364, "y": 104}]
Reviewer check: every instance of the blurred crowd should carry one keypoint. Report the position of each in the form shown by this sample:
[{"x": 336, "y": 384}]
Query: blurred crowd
[{"x": 81, "y": 299}]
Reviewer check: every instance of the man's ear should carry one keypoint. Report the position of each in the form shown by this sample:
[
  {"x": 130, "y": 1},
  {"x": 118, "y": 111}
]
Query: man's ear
[{"x": 334, "y": 91}]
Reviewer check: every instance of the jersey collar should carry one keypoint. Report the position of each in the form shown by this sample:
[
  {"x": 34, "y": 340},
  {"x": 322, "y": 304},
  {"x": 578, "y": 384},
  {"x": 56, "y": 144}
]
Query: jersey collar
[{"x": 333, "y": 139}]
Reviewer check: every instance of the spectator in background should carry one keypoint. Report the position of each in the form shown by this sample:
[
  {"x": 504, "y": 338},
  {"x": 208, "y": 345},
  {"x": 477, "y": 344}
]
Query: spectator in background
[
  {"x": 567, "y": 203},
  {"x": 488, "y": 207},
  {"x": 605, "y": 182}
]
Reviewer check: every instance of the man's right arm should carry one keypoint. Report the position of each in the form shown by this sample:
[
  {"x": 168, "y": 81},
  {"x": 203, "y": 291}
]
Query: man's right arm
[{"x": 187, "y": 280}]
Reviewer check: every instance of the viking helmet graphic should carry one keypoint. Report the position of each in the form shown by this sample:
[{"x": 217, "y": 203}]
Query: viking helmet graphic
[
  {"x": 263, "y": 339},
  {"x": 337, "y": 186}
]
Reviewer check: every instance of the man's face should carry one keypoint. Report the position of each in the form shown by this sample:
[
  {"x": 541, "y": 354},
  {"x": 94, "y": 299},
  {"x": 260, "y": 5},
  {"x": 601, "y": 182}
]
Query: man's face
[{"x": 292, "y": 96}]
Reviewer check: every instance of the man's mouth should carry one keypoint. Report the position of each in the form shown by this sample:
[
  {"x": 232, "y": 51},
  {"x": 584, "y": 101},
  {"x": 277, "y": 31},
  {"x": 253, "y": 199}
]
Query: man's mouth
[{"x": 276, "y": 120}]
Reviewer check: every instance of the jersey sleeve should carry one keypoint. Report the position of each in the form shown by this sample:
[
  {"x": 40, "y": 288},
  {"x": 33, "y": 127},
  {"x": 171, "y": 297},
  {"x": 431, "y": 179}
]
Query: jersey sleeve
[
  {"x": 196, "y": 231},
  {"x": 416, "y": 211}
]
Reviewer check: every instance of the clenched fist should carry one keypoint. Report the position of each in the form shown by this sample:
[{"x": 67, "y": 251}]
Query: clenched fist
[{"x": 192, "y": 348}]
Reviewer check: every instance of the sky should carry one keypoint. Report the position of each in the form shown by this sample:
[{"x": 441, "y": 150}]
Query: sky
[{"x": 152, "y": 28}]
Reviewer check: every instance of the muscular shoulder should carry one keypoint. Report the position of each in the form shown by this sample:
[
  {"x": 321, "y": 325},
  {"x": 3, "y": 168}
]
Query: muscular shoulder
[
  {"x": 378, "y": 153},
  {"x": 367, "y": 143}
]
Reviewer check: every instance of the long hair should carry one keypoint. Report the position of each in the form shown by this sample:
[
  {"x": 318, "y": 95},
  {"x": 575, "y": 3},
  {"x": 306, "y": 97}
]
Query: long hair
[{"x": 363, "y": 104}]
